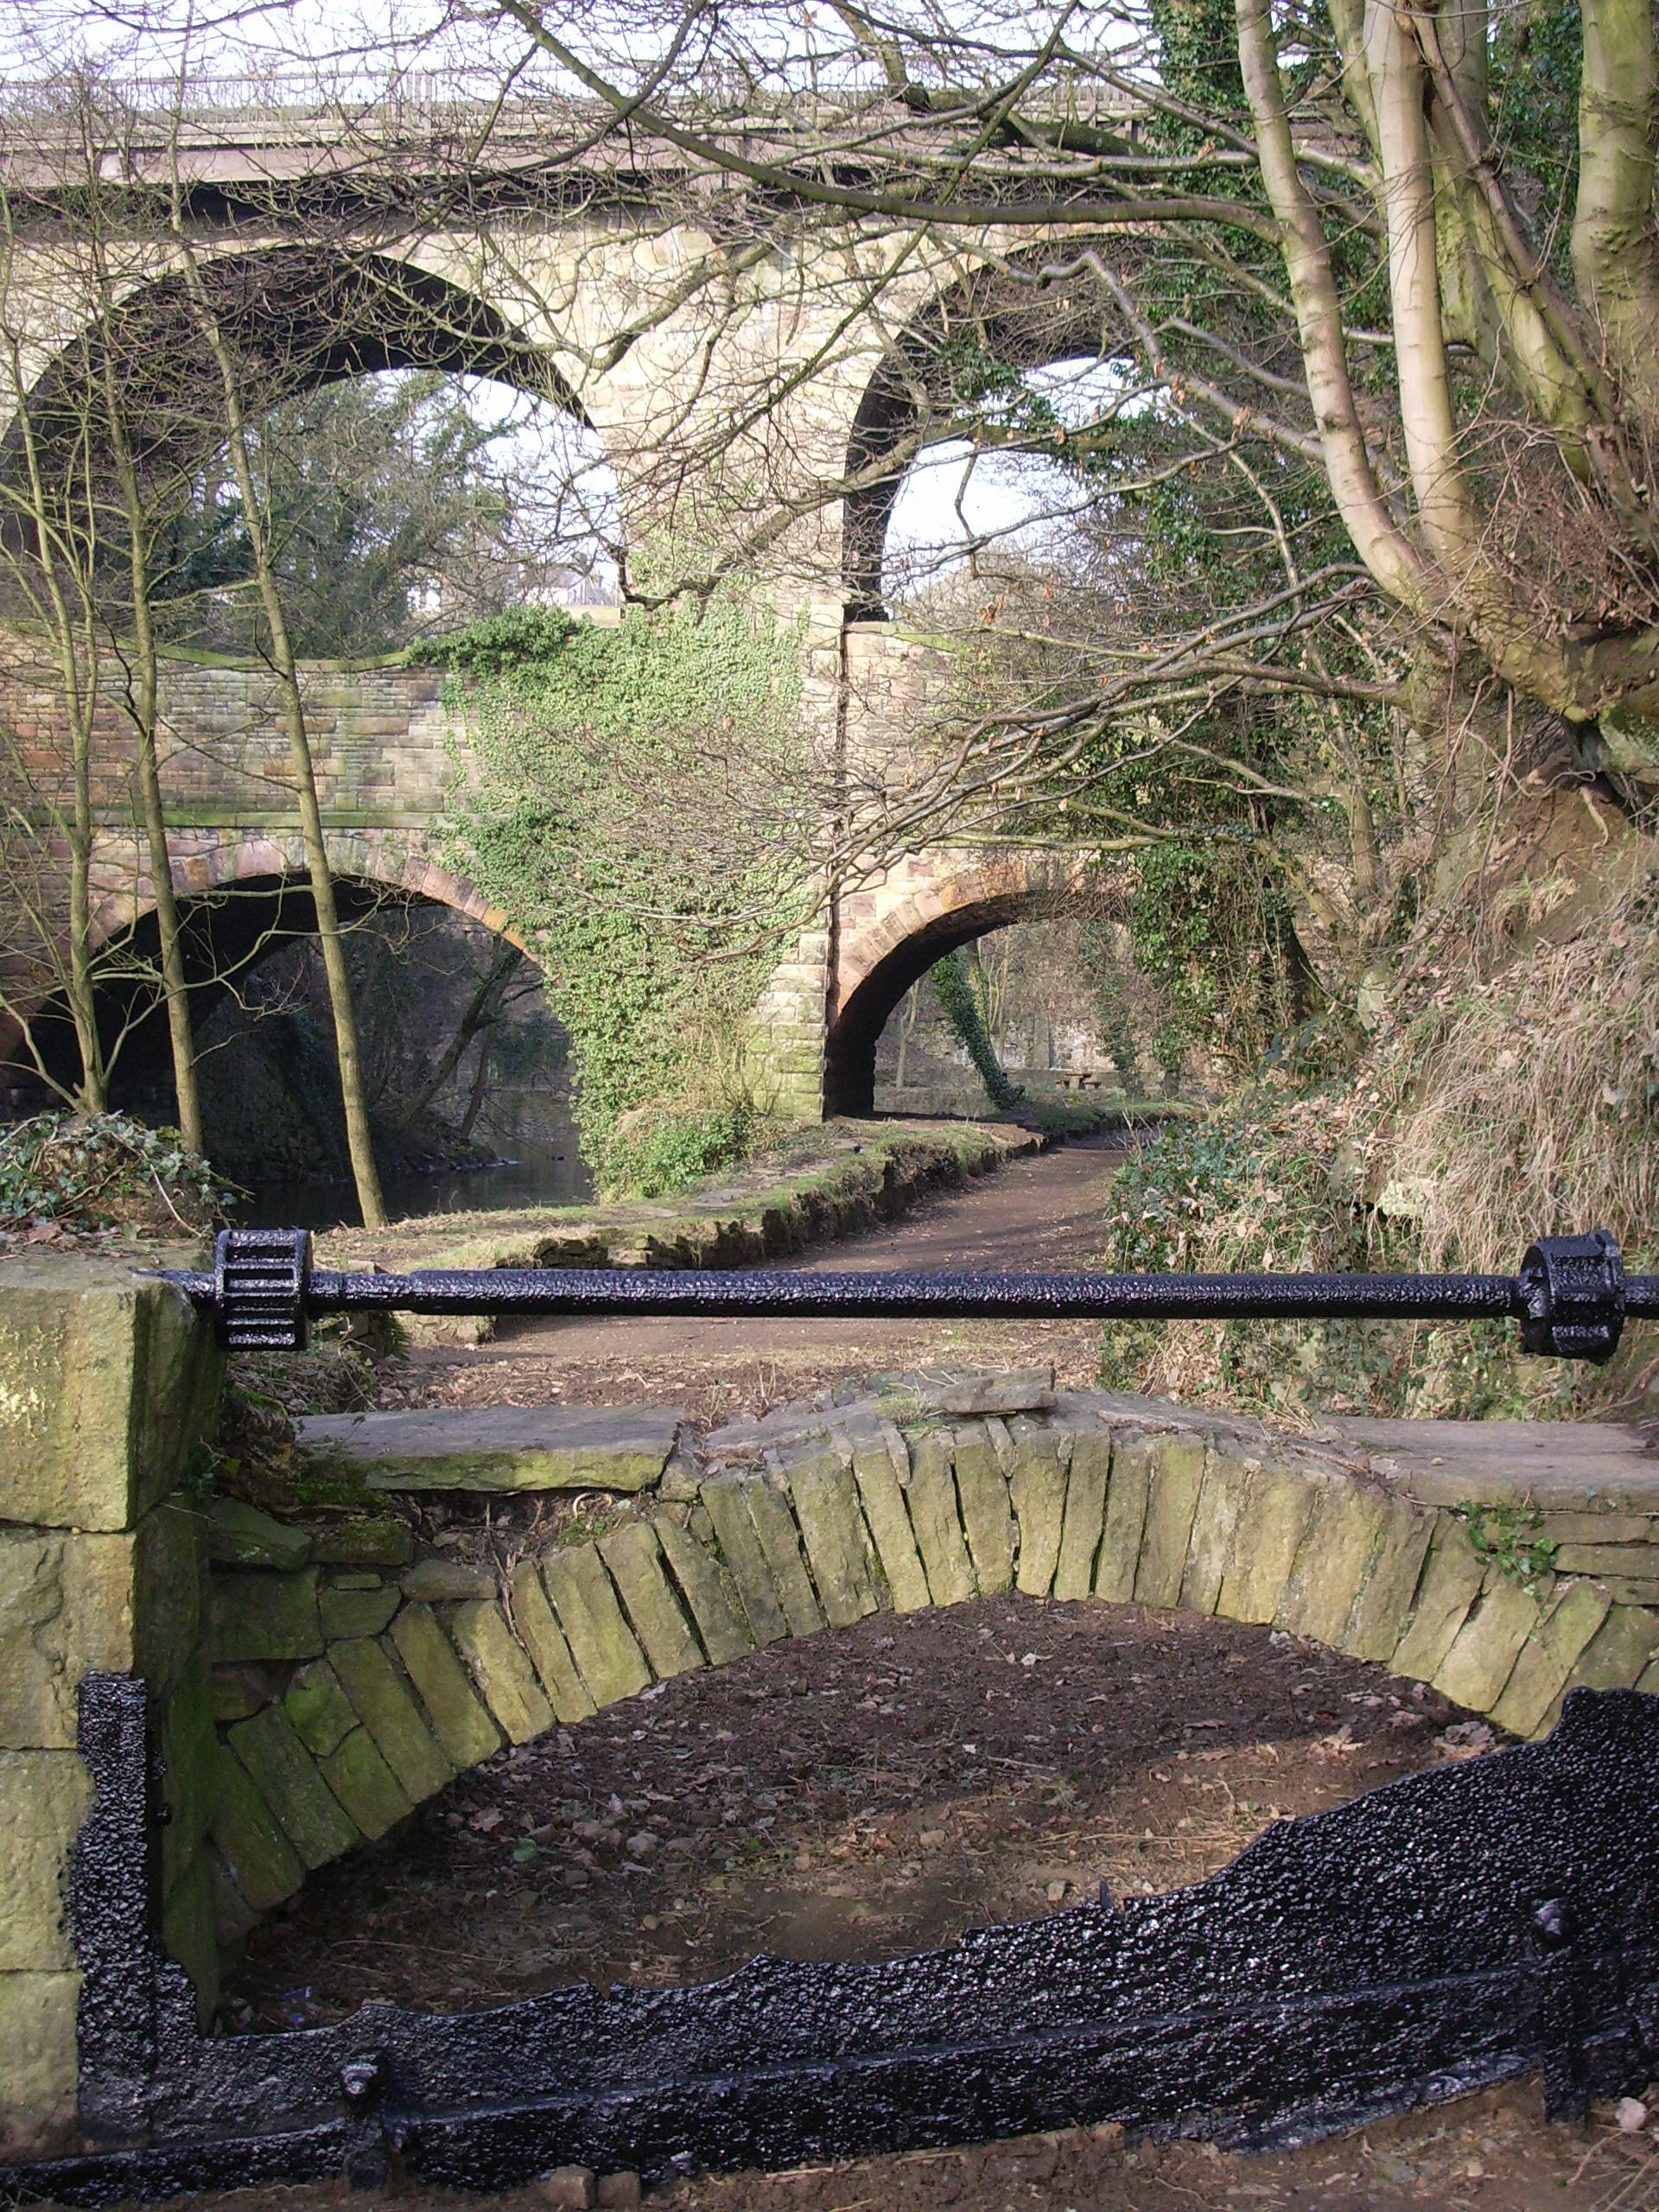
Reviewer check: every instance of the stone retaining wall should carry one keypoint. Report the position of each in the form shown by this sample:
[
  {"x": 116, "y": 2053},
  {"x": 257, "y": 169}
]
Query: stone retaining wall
[
  {"x": 108, "y": 1386},
  {"x": 352, "y": 1680},
  {"x": 322, "y": 1681}
]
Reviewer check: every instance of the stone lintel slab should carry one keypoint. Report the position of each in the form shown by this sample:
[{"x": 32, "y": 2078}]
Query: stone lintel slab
[
  {"x": 500, "y": 1447},
  {"x": 1565, "y": 1466}
]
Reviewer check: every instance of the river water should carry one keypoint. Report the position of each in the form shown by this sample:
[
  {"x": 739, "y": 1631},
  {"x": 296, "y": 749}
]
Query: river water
[{"x": 538, "y": 1175}]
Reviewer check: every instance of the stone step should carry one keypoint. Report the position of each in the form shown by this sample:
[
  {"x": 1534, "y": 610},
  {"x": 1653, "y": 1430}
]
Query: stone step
[{"x": 498, "y": 1447}]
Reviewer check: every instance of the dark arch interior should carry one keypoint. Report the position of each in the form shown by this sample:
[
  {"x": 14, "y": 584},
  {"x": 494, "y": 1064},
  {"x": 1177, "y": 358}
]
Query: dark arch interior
[
  {"x": 226, "y": 933},
  {"x": 850, "y": 1051},
  {"x": 910, "y": 403}
]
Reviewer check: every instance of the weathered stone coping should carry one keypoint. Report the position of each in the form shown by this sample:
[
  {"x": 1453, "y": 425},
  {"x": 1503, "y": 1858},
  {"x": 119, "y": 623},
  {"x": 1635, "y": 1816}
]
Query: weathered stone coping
[
  {"x": 498, "y": 1448},
  {"x": 346, "y": 1693}
]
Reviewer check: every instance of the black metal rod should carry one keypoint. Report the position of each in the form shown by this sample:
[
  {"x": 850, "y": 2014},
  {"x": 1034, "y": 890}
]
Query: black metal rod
[
  {"x": 794, "y": 1293},
  {"x": 1571, "y": 1295}
]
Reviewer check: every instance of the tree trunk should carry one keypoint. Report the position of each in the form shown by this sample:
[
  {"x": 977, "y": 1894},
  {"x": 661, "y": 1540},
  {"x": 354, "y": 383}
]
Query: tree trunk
[
  {"x": 358, "y": 1136},
  {"x": 142, "y": 701}
]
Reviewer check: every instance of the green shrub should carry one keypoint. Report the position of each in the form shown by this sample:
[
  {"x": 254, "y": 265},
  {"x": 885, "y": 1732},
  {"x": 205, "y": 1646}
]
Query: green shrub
[{"x": 95, "y": 1171}]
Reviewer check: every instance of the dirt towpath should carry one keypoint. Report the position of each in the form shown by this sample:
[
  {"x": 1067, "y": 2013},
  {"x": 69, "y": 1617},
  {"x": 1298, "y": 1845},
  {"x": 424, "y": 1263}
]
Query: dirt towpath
[{"x": 1045, "y": 1212}]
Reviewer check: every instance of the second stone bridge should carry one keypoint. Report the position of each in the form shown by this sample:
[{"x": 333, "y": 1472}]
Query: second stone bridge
[{"x": 387, "y": 748}]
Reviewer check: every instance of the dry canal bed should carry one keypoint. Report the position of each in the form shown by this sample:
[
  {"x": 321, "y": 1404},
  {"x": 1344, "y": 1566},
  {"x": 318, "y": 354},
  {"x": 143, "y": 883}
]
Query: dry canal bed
[{"x": 869, "y": 1791}]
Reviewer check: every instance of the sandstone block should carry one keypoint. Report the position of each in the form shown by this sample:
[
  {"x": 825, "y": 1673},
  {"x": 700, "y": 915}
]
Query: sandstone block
[
  {"x": 108, "y": 1381},
  {"x": 1450, "y": 1582},
  {"x": 709, "y": 1592},
  {"x": 1037, "y": 1493},
  {"x": 1591, "y": 1527},
  {"x": 635, "y": 1559},
  {"x": 170, "y": 1591},
  {"x": 1278, "y": 1508},
  {"x": 780, "y": 1541},
  {"x": 322, "y": 1714},
  {"x": 1020, "y": 1390},
  {"x": 500, "y": 1667},
  {"x": 66, "y": 1609},
  {"x": 727, "y": 1503},
  {"x": 1129, "y": 1487},
  {"x": 987, "y": 1514},
  {"x": 365, "y": 1783},
  {"x": 1084, "y": 1522},
  {"x": 37, "y": 2033},
  {"x": 237, "y": 1691},
  {"x": 825, "y": 1496},
  {"x": 44, "y": 1798},
  {"x": 1549, "y": 1655},
  {"x": 1331, "y": 1562},
  {"x": 1617, "y": 1656},
  {"x": 1175, "y": 1477},
  {"x": 1640, "y": 1559},
  {"x": 500, "y": 1447},
  {"x": 445, "y": 1582},
  {"x": 357, "y": 1612},
  {"x": 880, "y": 1465},
  {"x": 311, "y": 1816},
  {"x": 587, "y": 1610},
  {"x": 1223, "y": 1499},
  {"x": 189, "y": 1761},
  {"x": 239, "y": 1534},
  {"x": 260, "y": 1860},
  {"x": 934, "y": 1516},
  {"x": 263, "y": 1615},
  {"x": 1484, "y": 1651},
  {"x": 374, "y": 1682},
  {"x": 537, "y": 1630},
  {"x": 1391, "y": 1580},
  {"x": 459, "y": 1716},
  {"x": 379, "y": 1542},
  {"x": 234, "y": 1918}
]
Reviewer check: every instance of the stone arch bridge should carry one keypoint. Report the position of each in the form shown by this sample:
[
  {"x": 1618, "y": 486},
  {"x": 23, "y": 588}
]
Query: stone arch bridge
[
  {"x": 387, "y": 747},
  {"x": 724, "y": 384}
]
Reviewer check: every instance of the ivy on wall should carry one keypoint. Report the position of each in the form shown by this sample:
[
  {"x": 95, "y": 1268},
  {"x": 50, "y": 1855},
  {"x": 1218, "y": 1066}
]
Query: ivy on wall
[
  {"x": 636, "y": 801},
  {"x": 955, "y": 993}
]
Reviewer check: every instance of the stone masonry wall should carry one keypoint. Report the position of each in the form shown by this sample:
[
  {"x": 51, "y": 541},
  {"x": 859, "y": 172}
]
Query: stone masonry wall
[
  {"x": 107, "y": 1384},
  {"x": 353, "y": 1681}
]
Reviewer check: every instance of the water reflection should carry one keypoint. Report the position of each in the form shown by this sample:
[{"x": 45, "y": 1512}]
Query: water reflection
[{"x": 537, "y": 1175}]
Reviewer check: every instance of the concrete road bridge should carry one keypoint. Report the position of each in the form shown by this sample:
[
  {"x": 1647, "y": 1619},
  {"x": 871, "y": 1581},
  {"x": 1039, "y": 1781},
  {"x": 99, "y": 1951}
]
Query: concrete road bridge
[{"x": 753, "y": 382}]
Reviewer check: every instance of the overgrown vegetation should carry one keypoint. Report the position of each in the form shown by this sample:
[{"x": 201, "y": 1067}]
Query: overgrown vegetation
[
  {"x": 634, "y": 802},
  {"x": 63, "y": 1173},
  {"x": 949, "y": 979},
  {"x": 1511, "y": 1089}
]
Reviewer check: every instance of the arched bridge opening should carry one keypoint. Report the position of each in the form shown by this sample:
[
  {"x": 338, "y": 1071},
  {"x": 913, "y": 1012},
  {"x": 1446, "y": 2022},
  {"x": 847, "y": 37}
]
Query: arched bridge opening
[
  {"x": 463, "y": 1058},
  {"x": 892, "y": 935}
]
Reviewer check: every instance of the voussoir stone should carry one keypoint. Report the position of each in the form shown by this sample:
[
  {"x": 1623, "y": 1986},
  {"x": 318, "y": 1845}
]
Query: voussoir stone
[{"x": 498, "y": 1447}]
